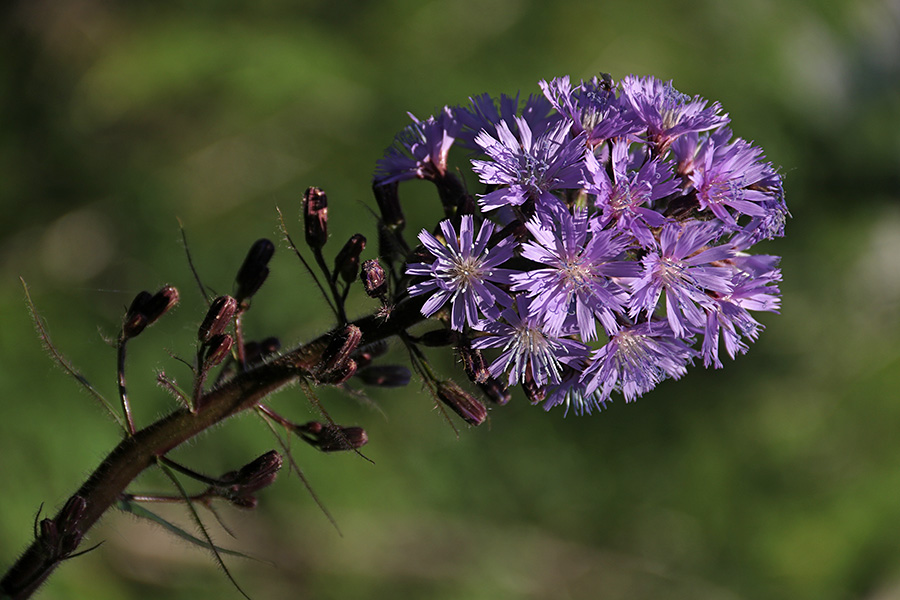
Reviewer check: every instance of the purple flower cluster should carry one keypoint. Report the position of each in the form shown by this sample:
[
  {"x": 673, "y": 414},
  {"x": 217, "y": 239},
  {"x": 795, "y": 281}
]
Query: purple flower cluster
[{"x": 609, "y": 249}]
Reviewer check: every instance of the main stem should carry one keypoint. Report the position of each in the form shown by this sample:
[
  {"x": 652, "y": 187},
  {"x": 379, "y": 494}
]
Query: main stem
[{"x": 139, "y": 451}]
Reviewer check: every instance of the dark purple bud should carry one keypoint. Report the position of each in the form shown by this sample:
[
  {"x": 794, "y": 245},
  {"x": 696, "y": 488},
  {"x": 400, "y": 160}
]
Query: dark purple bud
[
  {"x": 339, "y": 349},
  {"x": 346, "y": 263},
  {"x": 332, "y": 438},
  {"x": 438, "y": 338},
  {"x": 218, "y": 317},
  {"x": 49, "y": 534},
  {"x": 388, "y": 201},
  {"x": 365, "y": 355},
  {"x": 254, "y": 352},
  {"x": 71, "y": 514},
  {"x": 254, "y": 270},
  {"x": 473, "y": 363},
  {"x": 315, "y": 217},
  {"x": 146, "y": 309},
  {"x": 462, "y": 403},
  {"x": 533, "y": 392},
  {"x": 388, "y": 376},
  {"x": 467, "y": 205},
  {"x": 340, "y": 374},
  {"x": 239, "y": 486},
  {"x": 259, "y": 473},
  {"x": 495, "y": 391},
  {"x": 373, "y": 278},
  {"x": 217, "y": 349}
]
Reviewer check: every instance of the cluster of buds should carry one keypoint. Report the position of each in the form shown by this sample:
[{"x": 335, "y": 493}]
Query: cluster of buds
[
  {"x": 239, "y": 487},
  {"x": 61, "y": 536}
]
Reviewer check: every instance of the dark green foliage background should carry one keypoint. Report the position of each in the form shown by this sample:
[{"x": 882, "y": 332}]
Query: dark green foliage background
[{"x": 777, "y": 477}]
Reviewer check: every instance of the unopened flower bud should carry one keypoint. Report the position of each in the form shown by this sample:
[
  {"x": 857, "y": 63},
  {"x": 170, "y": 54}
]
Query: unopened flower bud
[
  {"x": 373, "y": 278},
  {"x": 533, "y": 391},
  {"x": 257, "y": 351},
  {"x": 473, "y": 363},
  {"x": 217, "y": 348},
  {"x": 339, "y": 349},
  {"x": 339, "y": 374},
  {"x": 389, "y": 205},
  {"x": 368, "y": 353},
  {"x": 146, "y": 309},
  {"x": 462, "y": 403},
  {"x": 388, "y": 376},
  {"x": 438, "y": 338},
  {"x": 254, "y": 270},
  {"x": 346, "y": 263},
  {"x": 495, "y": 391},
  {"x": 218, "y": 317},
  {"x": 71, "y": 514},
  {"x": 332, "y": 438},
  {"x": 315, "y": 217},
  {"x": 239, "y": 486}
]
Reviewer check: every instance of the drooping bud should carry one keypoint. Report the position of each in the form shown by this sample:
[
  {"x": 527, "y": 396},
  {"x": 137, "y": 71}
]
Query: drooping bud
[
  {"x": 373, "y": 278},
  {"x": 218, "y": 317},
  {"x": 387, "y": 376},
  {"x": 254, "y": 270},
  {"x": 239, "y": 486},
  {"x": 257, "y": 351},
  {"x": 315, "y": 217},
  {"x": 146, "y": 309},
  {"x": 339, "y": 374},
  {"x": 332, "y": 438},
  {"x": 533, "y": 391},
  {"x": 437, "y": 338},
  {"x": 339, "y": 349},
  {"x": 388, "y": 200},
  {"x": 217, "y": 348},
  {"x": 495, "y": 391},
  {"x": 473, "y": 363},
  {"x": 368, "y": 353},
  {"x": 462, "y": 403},
  {"x": 346, "y": 263}
]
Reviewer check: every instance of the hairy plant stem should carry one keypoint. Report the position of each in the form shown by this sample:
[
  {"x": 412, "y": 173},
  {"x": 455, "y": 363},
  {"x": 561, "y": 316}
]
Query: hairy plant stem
[{"x": 139, "y": 451}]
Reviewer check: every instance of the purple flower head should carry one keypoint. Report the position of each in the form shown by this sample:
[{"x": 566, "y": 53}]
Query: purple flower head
[
  {"x": 754, "y": 287},
  {"x": 592, "y": 107},
  {"x": 682, "y": 269},
  {"x": 464, "y": 272},
  {"x": 634, "y": 360},
  {"x": 731, "y": 179},
  {"x": 420, "y": 150},
  {"x": 571, "y": 392},
  {"x": 577, "y": 287},
  {"x": 528, "y": 167},
  {"x": 526, "y": 347},
  {"x": 668, "y": 113},
  {"x": 483, "y": 114},
  {"x": 624, "y": 198}
]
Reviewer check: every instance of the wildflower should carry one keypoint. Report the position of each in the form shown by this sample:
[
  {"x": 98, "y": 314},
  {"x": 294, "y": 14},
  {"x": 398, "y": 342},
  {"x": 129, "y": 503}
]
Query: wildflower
[
  {"x": 577, "y": 280},
  {"x": 625, "y": 197},
  {"x": 634, "y": 360},
  {"x": 592, "y": 107},
  {"x": 483, "y": 114},
  {"x": 754, "y": 287},
  {"x": 420, "y": 150},
  {"x": 527, "y": 350},
  {"x": 464, "y": 272},
  {"x": 682, "y": 269},
  {"x": 731, "y": 179},
  {"x": 528, "y": 167},
  {"x": 666, "y": 112}
]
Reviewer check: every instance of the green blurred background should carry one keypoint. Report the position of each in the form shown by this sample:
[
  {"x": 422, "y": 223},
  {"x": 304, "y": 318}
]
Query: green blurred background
[{"x": 776, "y": 477}]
